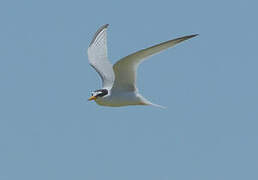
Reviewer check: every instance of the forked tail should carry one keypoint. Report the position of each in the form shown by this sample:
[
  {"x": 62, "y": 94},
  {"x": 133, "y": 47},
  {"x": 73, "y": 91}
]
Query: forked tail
[
  {"x": 157, "y": 105},
  {"x": 147, "y": 102}
]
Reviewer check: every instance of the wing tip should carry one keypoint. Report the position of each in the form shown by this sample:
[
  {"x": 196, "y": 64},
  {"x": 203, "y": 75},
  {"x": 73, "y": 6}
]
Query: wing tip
[
  {"x": 97, "y": 33},
  {"x": 106, "y": 25},
  {"x": 190, "y": 36},
  {"x": 180, "y": 39},
  {"x": 193, "y": 35}
]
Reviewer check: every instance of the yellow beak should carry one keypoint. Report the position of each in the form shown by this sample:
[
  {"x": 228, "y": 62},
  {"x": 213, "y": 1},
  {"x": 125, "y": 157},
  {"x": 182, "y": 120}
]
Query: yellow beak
[{"x": 92, "y": 98}]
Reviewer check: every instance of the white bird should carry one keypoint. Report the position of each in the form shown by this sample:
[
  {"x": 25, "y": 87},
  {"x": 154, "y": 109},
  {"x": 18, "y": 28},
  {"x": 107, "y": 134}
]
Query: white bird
[{"x": 119, "y": 81}]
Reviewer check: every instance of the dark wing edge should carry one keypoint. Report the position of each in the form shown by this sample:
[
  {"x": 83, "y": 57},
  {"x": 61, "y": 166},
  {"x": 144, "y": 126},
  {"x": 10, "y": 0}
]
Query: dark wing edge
[{"x": 97, "y": 33}]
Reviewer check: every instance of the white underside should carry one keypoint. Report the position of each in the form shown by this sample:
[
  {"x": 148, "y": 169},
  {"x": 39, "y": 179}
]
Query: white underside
[{"x": 124, "y": 98}]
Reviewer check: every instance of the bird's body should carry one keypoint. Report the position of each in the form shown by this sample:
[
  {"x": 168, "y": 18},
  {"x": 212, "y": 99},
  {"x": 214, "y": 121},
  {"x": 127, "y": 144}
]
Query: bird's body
[
  {"x": 122, "y": 98},
  {"x": 119, "y": 81}
]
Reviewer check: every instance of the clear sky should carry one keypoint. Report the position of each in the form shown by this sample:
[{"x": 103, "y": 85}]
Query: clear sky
[{"x": 209, "y": 84}]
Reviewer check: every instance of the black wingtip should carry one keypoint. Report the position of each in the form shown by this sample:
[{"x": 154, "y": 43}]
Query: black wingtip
[
  {"x": 180, "y": 39},
  {"x": 193, "y": 35},
  {"x": 98, "y": 31},
  {"x": 105, "y": 26}
]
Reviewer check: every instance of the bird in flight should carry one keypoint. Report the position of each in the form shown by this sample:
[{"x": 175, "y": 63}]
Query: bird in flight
[{"x": 119, "y": 81}]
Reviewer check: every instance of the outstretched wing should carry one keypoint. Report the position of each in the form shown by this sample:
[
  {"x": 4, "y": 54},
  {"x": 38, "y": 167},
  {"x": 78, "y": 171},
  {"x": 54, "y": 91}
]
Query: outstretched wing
[
  {"x": 126, "y": 68},
  {"x": 97, "y": 54}
]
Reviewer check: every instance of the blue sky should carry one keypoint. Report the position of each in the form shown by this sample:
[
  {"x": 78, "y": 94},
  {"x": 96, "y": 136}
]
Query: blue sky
[{"x": 48, "y": 129}]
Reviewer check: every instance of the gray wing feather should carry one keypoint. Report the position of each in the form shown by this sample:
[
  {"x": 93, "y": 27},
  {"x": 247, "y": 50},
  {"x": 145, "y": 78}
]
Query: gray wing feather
[
  {"x": 126, "y": 68},
  {"x": 97, "y": 54}
]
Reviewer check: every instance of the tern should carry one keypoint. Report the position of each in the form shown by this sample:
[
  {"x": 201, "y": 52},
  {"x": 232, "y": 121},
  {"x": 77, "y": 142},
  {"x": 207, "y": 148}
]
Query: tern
[{"x": 119, "y": 81}]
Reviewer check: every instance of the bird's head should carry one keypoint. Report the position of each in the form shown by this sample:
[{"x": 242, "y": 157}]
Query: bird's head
[{"x": 98, "y": 93}]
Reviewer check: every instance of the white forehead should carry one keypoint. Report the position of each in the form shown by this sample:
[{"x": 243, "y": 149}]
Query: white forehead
[{"x": 95, "y": 93}]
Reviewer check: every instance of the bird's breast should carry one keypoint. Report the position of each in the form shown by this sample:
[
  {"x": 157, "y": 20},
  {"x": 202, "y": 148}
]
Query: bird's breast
[{"x": 120, "y": 99}]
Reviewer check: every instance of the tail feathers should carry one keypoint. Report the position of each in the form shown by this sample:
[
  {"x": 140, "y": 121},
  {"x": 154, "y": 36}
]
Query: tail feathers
[
  {"x": 157, "y": 105},
  {"x": 146, "y": 102}
]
